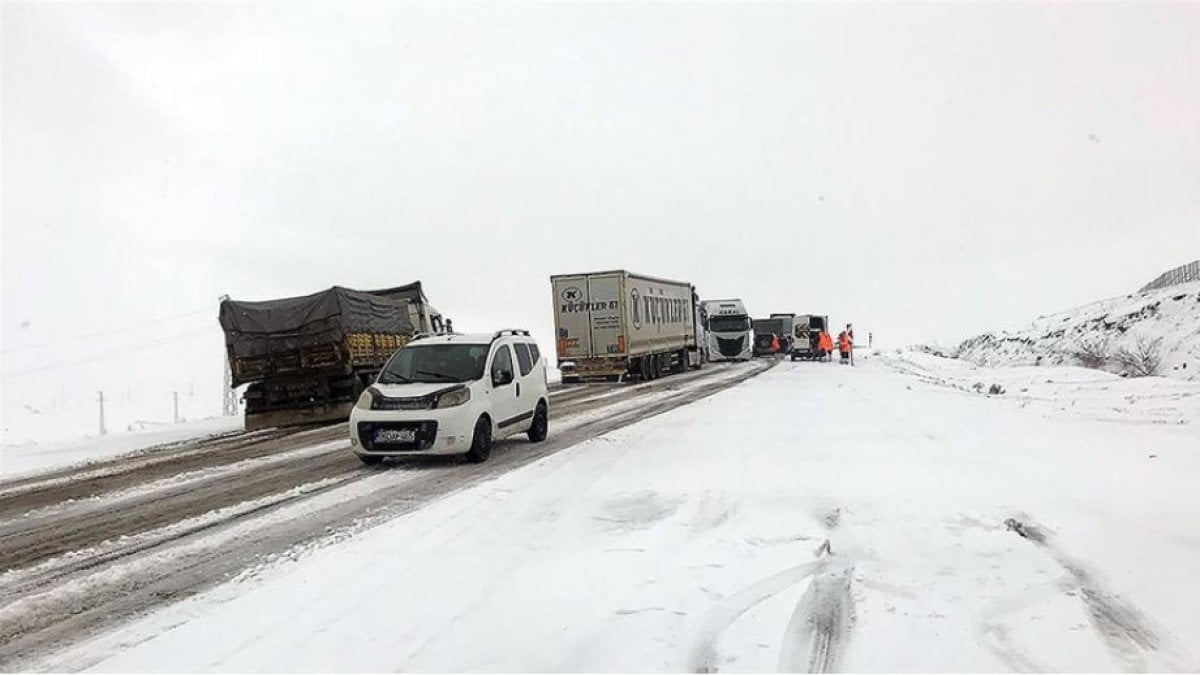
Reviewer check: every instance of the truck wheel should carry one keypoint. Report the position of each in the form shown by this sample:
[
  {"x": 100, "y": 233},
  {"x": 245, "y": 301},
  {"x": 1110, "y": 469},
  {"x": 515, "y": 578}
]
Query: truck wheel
[
  {"x": 541, "y": 424},
  {"x": 644, "y": 369},
  {"x": 370, "y": 460},
  {"x": 481, "y": 441},
  {"x": 655, "y": 367},
  {"x": 683, "y": 361}
]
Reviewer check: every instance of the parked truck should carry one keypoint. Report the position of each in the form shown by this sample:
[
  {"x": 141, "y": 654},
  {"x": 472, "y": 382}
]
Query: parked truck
[
  {"x": 806, "y": 333},
  {"x": 307, "y": 359},
  {"x": 765, "y": 330},
  {"x": 729, "y": 330},
  {"x": 618, "y": 324},
  {"x": 765, "y": 333}
]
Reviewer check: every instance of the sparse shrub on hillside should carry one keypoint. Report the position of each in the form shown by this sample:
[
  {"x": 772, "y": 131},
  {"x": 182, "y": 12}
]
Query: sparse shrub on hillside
[
  {"x": 1143, "y": 359},
  {"x": 1093, "y": 351}
]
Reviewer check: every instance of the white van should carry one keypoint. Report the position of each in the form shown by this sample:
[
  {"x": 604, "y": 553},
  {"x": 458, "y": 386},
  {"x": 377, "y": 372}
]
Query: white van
[{"x": 453, "y": 394}]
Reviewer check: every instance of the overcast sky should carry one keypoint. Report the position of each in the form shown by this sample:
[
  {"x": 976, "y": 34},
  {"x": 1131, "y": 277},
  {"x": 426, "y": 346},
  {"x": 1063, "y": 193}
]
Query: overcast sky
[{"x": 927, "y": 171}]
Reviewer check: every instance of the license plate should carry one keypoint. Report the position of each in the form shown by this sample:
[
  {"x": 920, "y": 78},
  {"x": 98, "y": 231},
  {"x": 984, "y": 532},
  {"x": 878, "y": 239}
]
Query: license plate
[{"x": 395, "y": 435}]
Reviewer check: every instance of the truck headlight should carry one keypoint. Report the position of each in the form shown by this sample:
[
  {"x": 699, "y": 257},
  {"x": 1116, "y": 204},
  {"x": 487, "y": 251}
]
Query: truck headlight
[
  {"x": 365, "y": 400},
  {"x": 452, "y": 398}
]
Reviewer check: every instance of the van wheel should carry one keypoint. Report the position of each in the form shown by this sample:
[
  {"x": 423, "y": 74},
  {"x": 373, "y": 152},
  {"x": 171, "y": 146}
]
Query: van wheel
[
  {"x": 540, "y": 426},
  {"x": 370, "y": 460},
  {"x": 481, "y": 441}
]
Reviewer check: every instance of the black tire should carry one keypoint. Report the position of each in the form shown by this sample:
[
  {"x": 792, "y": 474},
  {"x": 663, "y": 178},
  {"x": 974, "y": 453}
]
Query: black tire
[
  {"x": 370, "y": 460},
  {"x": 683, "y": 361},
  {"x": 793, "y": 357},
  {"x": 644, "y": 369},
  {"x": 481, "y": 441},
  {"x": 655, "y": 367},
  {"x": 540, "y": 427}
]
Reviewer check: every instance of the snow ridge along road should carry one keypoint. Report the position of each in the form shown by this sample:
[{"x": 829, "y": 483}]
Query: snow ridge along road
[{"x": 124, "y": 536}]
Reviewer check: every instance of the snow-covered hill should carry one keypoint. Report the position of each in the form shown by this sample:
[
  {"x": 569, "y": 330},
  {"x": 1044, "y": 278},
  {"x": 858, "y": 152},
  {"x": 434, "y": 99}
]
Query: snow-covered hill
[{"x": 1096, "y": 335}]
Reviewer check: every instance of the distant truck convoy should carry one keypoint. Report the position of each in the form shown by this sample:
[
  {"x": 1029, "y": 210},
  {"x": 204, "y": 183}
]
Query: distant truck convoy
[
  {"x": 307, "y": 359},
  {"x": 729, "y": 330},
  {"x": 806, "y": 332},
  {"x": 615, "y": 324}
]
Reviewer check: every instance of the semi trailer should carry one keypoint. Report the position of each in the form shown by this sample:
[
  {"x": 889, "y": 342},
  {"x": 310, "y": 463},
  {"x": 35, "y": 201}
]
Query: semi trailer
[
  {"x": 617, "y": 324},
  {"x": 306, "y": 359}
]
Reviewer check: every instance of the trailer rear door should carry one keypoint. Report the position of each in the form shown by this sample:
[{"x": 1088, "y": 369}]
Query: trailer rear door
[
  {"x": 608, "y": 338},
  {"x": 572, "y": 317}
]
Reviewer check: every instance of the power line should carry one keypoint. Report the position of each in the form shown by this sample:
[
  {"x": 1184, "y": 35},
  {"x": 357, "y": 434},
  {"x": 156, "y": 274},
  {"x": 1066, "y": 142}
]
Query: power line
[
  {"x": 112, "y": 331},
  {"x": 133, "y": 349}
]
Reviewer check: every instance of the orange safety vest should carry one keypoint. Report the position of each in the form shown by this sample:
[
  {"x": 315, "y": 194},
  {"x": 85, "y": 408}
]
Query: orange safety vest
[
  {"x": 825, "y": 342},
  {"x": 844, "y": 342},
  {"x": 774, "y": 343}
]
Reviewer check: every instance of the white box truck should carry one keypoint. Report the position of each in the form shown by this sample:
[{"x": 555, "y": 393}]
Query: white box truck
[
  {"x": 806, "y": 331},
  {"x": 729, "y": 330},
  {"x": 616, "y": 324}
]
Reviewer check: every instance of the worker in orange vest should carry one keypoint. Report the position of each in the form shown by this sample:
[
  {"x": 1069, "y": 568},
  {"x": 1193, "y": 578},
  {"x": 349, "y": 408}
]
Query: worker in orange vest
[
  {"x": 824, "y": 344},
  {"x": 845, "y": 344}
]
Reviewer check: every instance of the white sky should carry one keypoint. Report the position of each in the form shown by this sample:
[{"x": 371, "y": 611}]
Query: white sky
[{"x": 925, "y": 170}]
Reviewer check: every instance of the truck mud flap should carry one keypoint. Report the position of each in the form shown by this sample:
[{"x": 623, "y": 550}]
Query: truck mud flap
[{"x": 332, "y": 412}]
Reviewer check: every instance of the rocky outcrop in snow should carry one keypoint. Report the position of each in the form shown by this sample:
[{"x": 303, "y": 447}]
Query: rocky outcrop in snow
[{"x": 1124, "y": 335}]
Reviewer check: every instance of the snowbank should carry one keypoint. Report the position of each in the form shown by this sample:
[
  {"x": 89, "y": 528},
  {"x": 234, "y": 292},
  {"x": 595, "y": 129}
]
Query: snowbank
[
  {"x": 29, "y": 457},
  {"x": 816, "y": 517},
  {"x": 1171, "y": 314}
]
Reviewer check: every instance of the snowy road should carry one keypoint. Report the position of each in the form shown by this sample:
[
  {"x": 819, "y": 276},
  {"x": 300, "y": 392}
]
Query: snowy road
[
  {"x": 886, "y": 517},
  {"x": 83, "y": 549}
]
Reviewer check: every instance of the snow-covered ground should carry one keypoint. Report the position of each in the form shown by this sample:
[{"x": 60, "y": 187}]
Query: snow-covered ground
[
  {"x": 1170, "y": 314},
  {"x": 880, "y": 517},
  {"x": 30, "y": 457}
]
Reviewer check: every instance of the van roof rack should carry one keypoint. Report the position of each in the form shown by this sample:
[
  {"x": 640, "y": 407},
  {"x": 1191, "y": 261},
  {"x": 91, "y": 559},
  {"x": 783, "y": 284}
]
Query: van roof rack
[{"x": 509, "y": 331}]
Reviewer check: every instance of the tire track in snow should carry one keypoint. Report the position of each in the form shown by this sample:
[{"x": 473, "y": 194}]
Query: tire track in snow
[
  {"x": 820, "y": 624},
  {"x": 1130, "y": 637},
  {"x": 704, "y": 656}
]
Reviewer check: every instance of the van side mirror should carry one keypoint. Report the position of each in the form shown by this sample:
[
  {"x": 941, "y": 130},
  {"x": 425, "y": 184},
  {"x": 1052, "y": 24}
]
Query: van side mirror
[{"x": 501, "y": 377}]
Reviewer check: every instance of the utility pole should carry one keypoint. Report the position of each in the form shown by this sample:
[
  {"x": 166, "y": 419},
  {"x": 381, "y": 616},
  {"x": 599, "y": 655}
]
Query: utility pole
[
  {"x": 175, "y": 395},
  {"x": 102, "y": 429}
]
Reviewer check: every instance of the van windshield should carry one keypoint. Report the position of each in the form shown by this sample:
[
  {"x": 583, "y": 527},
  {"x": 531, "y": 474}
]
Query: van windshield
[
  {"x": 728, "y": 324},
  {"x": 435, "y": 363}
]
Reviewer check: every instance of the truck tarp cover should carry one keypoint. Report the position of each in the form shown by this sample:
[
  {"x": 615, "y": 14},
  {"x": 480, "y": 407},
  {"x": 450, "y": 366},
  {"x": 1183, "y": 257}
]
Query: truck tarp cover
[{"x": 258, "y": 328}]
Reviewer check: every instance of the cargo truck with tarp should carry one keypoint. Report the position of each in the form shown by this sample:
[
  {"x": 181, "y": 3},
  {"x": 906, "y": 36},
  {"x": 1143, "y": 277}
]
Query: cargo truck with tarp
[
  {"x": 616, "y": 324},
  {"x": 307, "y": 359}
]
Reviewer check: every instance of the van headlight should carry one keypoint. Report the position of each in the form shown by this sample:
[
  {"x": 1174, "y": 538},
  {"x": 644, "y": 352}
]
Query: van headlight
[
  {"x": 452, "y": 398},
  {"x": 365, "y": 400}
]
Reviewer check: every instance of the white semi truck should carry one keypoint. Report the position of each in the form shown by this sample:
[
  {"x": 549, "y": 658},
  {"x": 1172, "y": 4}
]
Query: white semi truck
[
  {"x": 616, "y": 324},
  {"x": 729, "y": 330}
]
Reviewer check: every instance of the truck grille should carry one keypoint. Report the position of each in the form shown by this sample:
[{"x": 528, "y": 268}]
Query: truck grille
[
  {"x": 731, "y": 347},
  {"x": 412, "y": 403}
]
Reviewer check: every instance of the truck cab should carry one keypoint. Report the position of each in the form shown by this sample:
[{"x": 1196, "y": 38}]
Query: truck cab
[{"x": 729, "y": 330}]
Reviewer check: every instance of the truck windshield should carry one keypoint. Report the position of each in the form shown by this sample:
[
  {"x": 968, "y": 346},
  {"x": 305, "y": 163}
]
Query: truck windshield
[
  {"x": 435, "y": 363},
  {"x": 728, "y": 324}
]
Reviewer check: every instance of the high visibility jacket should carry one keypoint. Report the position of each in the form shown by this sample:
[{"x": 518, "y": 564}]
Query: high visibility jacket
[
  {"x": 825, "y": 342},
  {"x": 774, "y": 343},
  {"x": 844, "y": 343}
]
